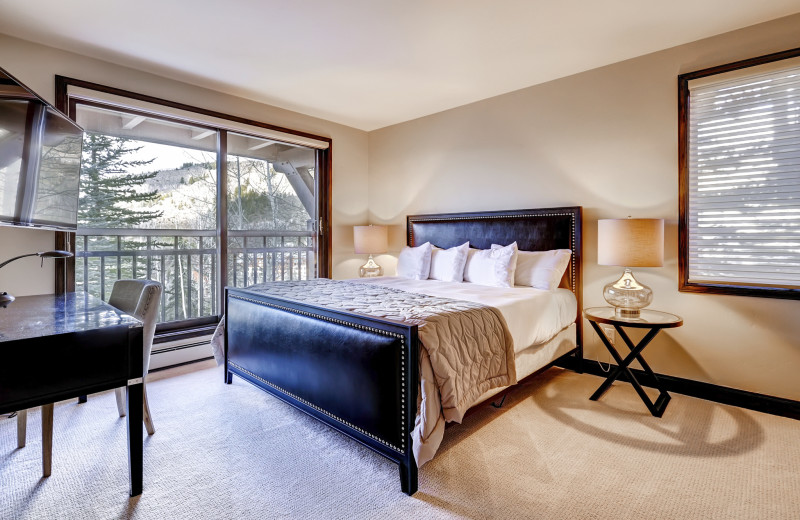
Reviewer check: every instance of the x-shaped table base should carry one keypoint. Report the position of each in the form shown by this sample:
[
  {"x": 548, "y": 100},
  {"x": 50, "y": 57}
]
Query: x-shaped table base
[{"x": 657, "y": 408}]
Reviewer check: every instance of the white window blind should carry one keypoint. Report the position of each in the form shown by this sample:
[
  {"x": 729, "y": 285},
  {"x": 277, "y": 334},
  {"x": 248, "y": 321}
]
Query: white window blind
[{"x": 744, "y": 178}]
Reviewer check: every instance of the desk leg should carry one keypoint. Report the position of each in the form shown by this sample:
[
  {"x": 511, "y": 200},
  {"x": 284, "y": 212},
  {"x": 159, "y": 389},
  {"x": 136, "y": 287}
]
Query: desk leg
[
  {"x": 135, "y": 437},
  {"x": 22, "y": 428},
  {"x": 47, "y": 438}
]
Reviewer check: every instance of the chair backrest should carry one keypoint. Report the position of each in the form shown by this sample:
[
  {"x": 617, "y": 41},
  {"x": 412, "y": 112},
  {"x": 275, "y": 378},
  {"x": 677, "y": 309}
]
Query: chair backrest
[{"x": 140, "y": 299}]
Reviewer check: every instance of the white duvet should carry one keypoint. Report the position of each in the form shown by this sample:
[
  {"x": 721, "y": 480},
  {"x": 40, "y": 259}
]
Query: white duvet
[{"x": 533, "y": 316}]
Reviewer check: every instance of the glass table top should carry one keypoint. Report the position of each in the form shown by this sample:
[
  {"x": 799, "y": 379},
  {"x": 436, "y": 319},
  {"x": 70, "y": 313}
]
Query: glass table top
[{"x": 647, "y": 318}]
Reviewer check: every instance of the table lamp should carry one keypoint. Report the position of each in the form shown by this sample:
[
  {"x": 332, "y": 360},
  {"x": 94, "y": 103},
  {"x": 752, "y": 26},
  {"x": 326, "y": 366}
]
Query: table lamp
[
  {"x": 631, "y": 242},
  {"x": 370, "y": 240},
  {"x": 6, "y": 298}
]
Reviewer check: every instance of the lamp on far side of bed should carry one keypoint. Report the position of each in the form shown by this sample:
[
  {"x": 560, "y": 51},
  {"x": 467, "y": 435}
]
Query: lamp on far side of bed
[
  {"x": 631, "y": 242},
  {"x": 370, "y": 240}
]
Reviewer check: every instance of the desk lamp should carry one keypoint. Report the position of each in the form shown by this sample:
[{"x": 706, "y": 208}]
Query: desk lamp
[{"x": 6, "y": 298}]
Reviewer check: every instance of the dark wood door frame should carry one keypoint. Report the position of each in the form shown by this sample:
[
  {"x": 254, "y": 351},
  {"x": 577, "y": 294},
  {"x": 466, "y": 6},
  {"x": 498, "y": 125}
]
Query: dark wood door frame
[{"x": 65, "y": 271}]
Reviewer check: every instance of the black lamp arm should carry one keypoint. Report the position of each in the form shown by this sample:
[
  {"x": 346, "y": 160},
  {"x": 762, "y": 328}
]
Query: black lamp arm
[{"x": 56, "y": 253}]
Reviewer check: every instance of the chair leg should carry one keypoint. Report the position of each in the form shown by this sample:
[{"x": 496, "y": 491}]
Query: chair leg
[
  {"x": 120, "y": 393},
  {"x": 47, "y": 439},
  {"x": 22, "y": 427},
  {"x": 148, "y": 419}
]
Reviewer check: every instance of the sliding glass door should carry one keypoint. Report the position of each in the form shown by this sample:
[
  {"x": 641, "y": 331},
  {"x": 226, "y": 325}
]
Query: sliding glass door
[
  {"x": 272, "y": 211},
  {"x": 194, "y": 206}
]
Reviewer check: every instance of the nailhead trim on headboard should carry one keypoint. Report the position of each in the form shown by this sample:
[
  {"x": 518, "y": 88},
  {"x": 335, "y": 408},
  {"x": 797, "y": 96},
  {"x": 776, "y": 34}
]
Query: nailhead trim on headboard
[{"x": 573, "y": 264}]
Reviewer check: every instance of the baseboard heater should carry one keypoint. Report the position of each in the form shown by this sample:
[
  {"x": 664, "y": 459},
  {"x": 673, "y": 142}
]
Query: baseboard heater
[{"x": 180, "y": 352}]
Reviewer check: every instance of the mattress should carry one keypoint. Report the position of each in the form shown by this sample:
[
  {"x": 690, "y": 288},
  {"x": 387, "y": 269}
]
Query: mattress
[{"x": 536, "y": 357}]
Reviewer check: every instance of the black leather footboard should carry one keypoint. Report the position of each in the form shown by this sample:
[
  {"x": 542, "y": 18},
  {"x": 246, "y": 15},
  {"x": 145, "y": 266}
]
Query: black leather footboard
[{"x": 355, "y": 373}]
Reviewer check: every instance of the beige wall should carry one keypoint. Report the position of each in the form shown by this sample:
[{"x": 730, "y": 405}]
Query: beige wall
[
  {"x": 36, "y": 66},
  {"x": 605, "y": 139}
]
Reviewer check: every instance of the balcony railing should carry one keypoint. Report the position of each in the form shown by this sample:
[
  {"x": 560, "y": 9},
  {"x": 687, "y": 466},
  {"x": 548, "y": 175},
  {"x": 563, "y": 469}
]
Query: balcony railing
[{"x": 185, "y": 262}]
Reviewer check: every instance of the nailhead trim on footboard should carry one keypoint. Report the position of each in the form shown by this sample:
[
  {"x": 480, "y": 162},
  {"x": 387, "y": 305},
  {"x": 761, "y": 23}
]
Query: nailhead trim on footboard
[{"x": 403, "y": 367}]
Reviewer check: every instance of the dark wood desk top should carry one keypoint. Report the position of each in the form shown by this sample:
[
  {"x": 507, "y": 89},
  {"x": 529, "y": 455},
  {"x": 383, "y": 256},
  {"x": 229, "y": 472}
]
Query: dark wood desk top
[
  {"x": 61, "y": 347},
  {"x": 49, "y": 314}
]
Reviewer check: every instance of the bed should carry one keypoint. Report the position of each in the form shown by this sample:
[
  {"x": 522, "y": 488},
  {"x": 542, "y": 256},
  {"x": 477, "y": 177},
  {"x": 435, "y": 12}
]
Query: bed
[{"x": 360, "y": 374}]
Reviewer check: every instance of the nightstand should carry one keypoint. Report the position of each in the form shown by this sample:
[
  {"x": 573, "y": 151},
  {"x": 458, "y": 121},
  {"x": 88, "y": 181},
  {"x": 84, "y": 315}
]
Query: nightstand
[{"x": 652, "y": 320}]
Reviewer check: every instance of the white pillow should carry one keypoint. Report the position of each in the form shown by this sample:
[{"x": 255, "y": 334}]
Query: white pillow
[
  {"x": 542, "y": 269},
  {"x": 448, "y": 264},
  {"x": 415, "y": 262},
  {"x": 493, "y": 267}
]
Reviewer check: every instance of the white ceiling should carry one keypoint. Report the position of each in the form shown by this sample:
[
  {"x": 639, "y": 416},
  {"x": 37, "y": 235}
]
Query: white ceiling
[{"x": 374, "y": 63}]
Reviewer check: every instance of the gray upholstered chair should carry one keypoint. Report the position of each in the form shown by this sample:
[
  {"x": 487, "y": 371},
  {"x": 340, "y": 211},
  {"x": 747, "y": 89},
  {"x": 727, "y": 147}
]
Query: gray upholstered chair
[{"x": 140, "y": 299}]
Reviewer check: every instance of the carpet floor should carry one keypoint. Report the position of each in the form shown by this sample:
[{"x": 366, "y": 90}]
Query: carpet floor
[{"x": 223, "y": 451}]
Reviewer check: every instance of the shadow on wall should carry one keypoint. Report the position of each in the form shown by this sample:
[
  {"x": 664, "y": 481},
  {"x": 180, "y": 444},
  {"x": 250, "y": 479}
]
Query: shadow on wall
[
  {"x": 346, "y": 262},
  {"x": 453, "y": 174},
  {"x": 664, "y": 348}
]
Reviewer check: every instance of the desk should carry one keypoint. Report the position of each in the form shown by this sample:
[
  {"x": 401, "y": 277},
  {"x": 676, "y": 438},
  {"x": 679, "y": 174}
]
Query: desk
[
  {"x": 651, "y": 320},
  {"x": 54, "y": 348}
]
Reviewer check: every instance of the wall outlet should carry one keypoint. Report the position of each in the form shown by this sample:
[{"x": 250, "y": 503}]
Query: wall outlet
[{"x": 610, "y": 333}]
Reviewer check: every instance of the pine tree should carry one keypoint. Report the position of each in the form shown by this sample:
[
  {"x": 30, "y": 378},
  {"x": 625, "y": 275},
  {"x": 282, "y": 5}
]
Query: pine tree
[{"x": 108, "y": 188}]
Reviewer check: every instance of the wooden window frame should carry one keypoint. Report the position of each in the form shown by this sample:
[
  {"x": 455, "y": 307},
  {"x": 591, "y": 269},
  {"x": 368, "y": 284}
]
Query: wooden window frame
[
  {"x": 65, "y": 271},
  {"x": 684, "y": 285}
]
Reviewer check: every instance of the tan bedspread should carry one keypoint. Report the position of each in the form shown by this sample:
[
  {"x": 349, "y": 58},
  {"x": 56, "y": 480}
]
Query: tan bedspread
[{"x": 466, "y": 347}]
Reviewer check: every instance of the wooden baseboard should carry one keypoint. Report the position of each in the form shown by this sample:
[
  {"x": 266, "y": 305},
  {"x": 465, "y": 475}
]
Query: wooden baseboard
[{"x": 708, "y": 391}]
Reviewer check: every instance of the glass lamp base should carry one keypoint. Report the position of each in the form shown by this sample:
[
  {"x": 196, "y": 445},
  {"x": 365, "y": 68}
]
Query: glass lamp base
[
  {"x": 619, "y": 312},
  {"x": 370, "y": 269},
  {"x": 627, "y": 295}
]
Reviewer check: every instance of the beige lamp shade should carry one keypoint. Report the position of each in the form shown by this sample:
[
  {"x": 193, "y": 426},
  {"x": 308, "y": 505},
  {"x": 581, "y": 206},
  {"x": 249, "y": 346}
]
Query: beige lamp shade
[
  {"x": 370, "y": 240},
  {"x": 631, "y": 242}
]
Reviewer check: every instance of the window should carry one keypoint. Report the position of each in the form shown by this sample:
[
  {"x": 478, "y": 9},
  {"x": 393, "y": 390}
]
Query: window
[
  {"x": 739, "y": 138},
  {"x": 148, "y": 208},
  {"x": 271, "y": 211},
  {"x": 193, "y": 200}
]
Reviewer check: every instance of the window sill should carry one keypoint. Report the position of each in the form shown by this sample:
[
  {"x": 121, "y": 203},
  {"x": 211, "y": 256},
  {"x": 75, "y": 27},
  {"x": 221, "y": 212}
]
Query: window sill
[{"x": 740, "y": 290}]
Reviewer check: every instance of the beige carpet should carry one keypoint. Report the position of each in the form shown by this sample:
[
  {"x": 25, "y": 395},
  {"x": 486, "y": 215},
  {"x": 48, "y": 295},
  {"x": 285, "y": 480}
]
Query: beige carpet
[{"x": 234, "y": 452}]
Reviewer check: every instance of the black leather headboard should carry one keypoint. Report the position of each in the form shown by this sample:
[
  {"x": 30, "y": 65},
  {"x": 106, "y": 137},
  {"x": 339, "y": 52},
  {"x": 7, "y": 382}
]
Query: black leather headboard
[{"x": 532, "y": 229}]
